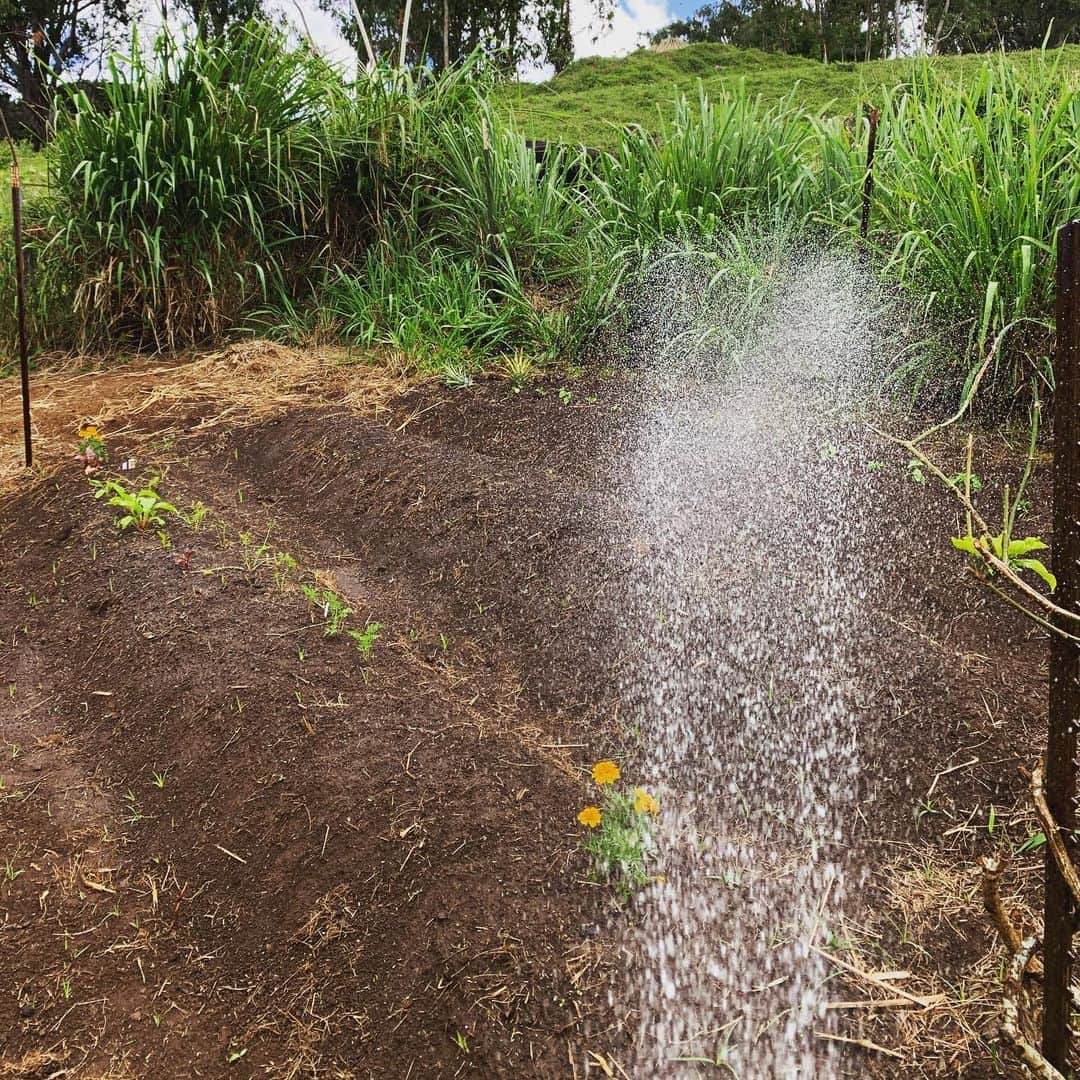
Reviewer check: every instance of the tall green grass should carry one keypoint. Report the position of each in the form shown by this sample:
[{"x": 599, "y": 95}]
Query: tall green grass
[
  {"x": 199, "y": 184},
  {"x": 719, "y": 164},
  {"x": 245, "y": 185},
  {"x": 974, "y": 178}
]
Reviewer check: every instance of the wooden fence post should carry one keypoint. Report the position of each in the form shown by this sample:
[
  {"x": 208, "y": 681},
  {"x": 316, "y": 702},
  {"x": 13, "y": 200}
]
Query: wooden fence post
[{"x": 1060, "y": 915}]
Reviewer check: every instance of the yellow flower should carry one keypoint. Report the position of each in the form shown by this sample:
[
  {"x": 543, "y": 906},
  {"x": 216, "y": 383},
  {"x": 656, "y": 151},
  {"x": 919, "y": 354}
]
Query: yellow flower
[
  {"x": 644, "y": 803},
  {"x": 660, "y": 879},
  {"x": 605, "y": 772},
  {"x": 89, "y": 431},
  {"x": 590, "y": 816}
]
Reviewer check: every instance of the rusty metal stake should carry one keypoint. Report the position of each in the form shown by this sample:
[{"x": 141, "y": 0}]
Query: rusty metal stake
[
  {"x": 20, "y": 288},
  {"x": 868, "y": 182},
  {"x": 20, "y": 294},
  {"x": 1059, "y": 910}
]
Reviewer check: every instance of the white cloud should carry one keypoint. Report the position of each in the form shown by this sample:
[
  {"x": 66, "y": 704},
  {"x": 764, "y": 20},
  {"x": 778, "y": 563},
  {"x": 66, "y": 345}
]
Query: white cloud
[
  {"x": 632, "y": 19},
  {"x": 323, "y": 29}
]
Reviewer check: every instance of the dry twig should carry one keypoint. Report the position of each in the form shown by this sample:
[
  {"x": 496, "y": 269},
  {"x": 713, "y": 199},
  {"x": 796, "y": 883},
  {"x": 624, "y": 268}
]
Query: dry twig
[
  {"x": 1053, "y": 833},
  {"x": 1011, "y": 1016}
]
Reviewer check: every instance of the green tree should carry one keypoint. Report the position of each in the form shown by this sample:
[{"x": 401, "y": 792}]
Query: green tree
[
  {"x": 442, "y": 32},
  {"x": 43, "y": 41},
  {"x": 212, "y": 18},
  {"x": 978, "y": 25},
  {"x": 829, "y": 29}
]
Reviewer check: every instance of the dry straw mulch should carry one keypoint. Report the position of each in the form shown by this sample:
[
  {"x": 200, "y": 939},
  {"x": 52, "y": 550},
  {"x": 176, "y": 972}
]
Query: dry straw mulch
[{"x": 246, "y": 382}]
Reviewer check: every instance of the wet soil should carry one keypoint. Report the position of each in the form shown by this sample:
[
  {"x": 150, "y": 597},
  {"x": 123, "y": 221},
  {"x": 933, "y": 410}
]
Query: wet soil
[{"x": 235, "y": 845}]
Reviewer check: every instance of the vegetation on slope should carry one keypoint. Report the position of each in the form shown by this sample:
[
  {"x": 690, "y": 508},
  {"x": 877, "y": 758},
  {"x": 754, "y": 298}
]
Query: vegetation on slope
[
  {"x": 245, "y": 186},
  {"x": 592, "y": 100}
]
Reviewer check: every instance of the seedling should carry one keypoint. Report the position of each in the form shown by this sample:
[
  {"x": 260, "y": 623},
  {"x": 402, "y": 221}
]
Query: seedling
[
  {"x": 520, "y": 370},
  {"x": 366, "y": 638},
  {"x": 566, "y": 395},
  {"x": 141, "y": 509},
  {"x": 456, "y": 377},
  {"x": 1032, "y": 843},
  {"x": 967, "y": 480},
  {"x": 196, "y": 514},
  {"x": 334, "y": 610},
  {"x": 461, "y": 1042},
  {"x": 284, "y": 564},
  {"x": 158, "y": 778}
]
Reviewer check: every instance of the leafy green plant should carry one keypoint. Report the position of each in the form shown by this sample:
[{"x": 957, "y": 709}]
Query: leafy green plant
[
  {"x": 365, "y": 639},
  {"x": 1015, "y": 554},
  {"x": 335, "y": 611},
  {"x": 1001, "y": 553},
  {"x": 141, "y": 509}
]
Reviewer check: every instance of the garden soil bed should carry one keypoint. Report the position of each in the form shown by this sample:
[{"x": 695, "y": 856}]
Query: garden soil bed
[{"x": 232, "y": 845}]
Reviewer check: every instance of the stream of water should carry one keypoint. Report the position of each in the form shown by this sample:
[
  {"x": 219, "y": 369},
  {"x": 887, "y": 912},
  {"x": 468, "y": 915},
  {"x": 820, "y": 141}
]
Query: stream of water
[{"x": 741, "y": 627}]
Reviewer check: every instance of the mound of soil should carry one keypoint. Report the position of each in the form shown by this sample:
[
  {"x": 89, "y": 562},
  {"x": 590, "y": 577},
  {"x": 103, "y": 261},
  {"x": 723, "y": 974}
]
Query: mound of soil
[
  {"x": 235, "y": 841},
  {"x": 235, "y": 844}
]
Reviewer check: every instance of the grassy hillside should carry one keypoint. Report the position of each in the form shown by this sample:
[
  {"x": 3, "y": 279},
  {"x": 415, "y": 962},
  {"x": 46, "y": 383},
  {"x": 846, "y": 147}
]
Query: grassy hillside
[
  {"x": 593, "y": 98},
  {"x": 34, "y": 175}
]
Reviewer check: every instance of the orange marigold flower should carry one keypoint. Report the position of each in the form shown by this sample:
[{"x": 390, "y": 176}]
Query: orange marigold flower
[
  {"x": 590, "y": 816},
  {"x": 89, "y": 431},
  {"x": 605, "y": 772},
  {"x": 644, "y": 803}
]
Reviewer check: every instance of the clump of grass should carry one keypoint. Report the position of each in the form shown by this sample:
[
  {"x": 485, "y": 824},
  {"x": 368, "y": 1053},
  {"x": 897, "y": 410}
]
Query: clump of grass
[
  {"x": 719, "y": 162},
  {"x": 438, "y": 310},
  {"x": 974, "y": 177},
  {"x": 196, "y": 184}
]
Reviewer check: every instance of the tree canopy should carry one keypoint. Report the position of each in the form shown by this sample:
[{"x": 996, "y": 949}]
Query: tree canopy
[
  {"x": 441, "y": 32},
  {"x": 42, "y": 40},
  {"x": 869, "y": 29}
]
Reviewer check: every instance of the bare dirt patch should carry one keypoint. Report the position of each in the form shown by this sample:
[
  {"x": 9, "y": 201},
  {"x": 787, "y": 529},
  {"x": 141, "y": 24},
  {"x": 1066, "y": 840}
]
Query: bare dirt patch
[{"x": 235, "y": 845}]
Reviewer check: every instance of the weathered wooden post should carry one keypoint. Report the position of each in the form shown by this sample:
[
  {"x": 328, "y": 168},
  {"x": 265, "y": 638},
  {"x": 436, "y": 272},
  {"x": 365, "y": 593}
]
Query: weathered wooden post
[{"x": 1060, "y": 916}]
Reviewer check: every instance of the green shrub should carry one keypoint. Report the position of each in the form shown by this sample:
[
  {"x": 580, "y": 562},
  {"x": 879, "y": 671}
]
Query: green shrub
[{"x": 197, "y": 186}]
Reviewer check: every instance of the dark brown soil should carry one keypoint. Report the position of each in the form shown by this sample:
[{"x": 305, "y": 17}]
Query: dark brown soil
[{"x": 233, "y": 845}]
